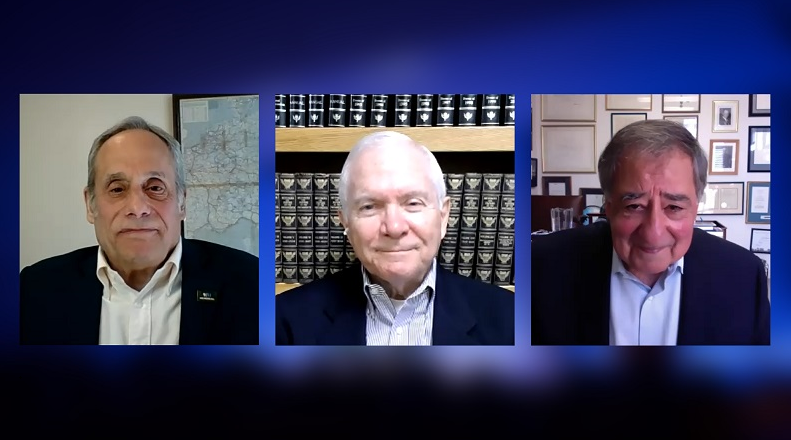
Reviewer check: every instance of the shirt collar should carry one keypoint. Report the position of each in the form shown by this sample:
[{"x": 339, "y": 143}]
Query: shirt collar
[
  {"x": 103, "y": 268},
  {"x": 618, "y": 267},
  {"x": 428, "y": 284}
]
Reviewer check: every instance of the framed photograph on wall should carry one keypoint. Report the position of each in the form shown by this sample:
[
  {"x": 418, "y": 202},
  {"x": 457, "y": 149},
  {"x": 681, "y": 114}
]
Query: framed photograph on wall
[
  {"x": 722, "y": 198},
  {"x": 759, "y": 159},
  {"x": 725, "y": 117},
  {"x": 760, "y": 242},
  {"x": 681, "y": 103},
  {"x": 219, "y": 139},
  {"x": 569, "y": 108},
  {"x": 621, "y": 120},
  {"x": 568, "y": 149},
  {"x": 628, "y": 102},
  {"x": 533, "y": 172},
  {"x": 593, "y": 196},
  {"x": 758, "y": 203},
  {"x": 723, "y": 157},
  {"x": 691, "y": 122},
  {"x": 759, "y": 105},
  {"x": 556, "y": 185}
]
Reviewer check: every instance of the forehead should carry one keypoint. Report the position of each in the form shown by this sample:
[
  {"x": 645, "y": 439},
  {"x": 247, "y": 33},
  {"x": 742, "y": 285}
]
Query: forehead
[
  {"x": 134, "y": 150},
  {"x": 391, "y": 168},
  {"x": 672, "y": 169}
]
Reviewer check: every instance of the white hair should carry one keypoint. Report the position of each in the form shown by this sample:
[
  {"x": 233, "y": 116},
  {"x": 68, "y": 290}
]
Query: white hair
[{"x": 383, "y": 139}]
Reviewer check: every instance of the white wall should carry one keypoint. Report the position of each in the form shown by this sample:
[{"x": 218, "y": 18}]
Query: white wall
[
  {"x": 738, "y": 231},
  {"x": 55, "y": 136}
]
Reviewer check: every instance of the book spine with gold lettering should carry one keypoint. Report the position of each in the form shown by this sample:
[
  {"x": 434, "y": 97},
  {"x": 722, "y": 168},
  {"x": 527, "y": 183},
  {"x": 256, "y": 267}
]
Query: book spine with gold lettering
[
  {"x": 281, "y": 111},
  {"x": 296, "y": 111},
  {"x": 404, "y": 111},
  {"x": 424, "y": 111},
  {"x": 305, "y": 256},
  {"x": 491, "y": 110},
  {"x": 337, "y": 241},
  {"x": 448, "y": 248},
  {"x": 378, "y": 113},
  {"x": 358, "y": 110},
  {"x": 504, "y": 251},
  {"x": 447, "y": 107},
  {"x": 321, "y": 224},
  {"x": 487, "y": 227},
  {"x": 338, "y": 111},
  {"x": 288, "y": 226},
  {"x": 278, "y": 248},
  {"x": 468, "y": 228},
  {"x": 468, "y": 110},
  {"x": 508, "y": 110},
  {"x": 316, "y": 111}
]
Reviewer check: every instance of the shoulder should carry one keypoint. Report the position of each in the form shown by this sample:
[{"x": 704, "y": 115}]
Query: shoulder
[
  {"x": 579, "y": 242},
  {"x": 69, "y": 261},
  {"x": 478, "y": 293},
  {"x": 332, "y": 288},
  {"x": 720, "y": 252}
]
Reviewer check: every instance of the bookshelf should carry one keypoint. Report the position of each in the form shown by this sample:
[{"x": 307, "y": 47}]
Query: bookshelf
[{"x": 459, "y": 149}]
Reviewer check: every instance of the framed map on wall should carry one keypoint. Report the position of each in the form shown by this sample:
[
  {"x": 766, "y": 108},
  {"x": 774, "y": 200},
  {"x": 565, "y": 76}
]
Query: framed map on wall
[{"x": 219, "y": 143}]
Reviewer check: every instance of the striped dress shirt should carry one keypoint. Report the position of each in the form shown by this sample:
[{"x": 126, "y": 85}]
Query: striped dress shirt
[{"x": 393, "y": 322}]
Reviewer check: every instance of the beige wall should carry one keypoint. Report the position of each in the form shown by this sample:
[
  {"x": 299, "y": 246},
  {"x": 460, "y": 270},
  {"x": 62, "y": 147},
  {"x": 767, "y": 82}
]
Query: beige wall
[{"x": 56, "y": 132}]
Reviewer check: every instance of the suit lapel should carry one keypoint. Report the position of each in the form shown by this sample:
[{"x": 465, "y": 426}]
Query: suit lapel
[
  {"x": 454, "y": 323},
  {"x": 593, "y": 288},
  {"x": 692, "y": 307},
  {"x": 85, "y": 306},
  {"x": 345, "y": 311},
  {"x": 196, "y": 315}
]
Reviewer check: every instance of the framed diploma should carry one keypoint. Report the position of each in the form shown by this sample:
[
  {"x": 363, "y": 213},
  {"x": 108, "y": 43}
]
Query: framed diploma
[
  {"x": 760, "y": 242},
  {"x": 722, "y": 198},
  {"x": 758, "y": 206}
]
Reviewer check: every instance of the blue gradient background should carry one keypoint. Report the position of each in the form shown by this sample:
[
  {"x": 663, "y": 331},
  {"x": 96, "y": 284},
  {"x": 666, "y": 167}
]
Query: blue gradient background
[{"x": 411, "y": 47}]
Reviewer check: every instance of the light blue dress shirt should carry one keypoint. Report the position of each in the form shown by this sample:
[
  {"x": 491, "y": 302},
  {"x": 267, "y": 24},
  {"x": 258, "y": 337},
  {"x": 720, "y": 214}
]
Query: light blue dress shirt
[{"x": 640, "y": 314}]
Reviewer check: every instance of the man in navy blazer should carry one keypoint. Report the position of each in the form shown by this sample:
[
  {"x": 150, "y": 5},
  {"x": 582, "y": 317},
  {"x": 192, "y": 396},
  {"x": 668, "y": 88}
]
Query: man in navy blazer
[
  {"x": 395, "y": 211},
  {"x": 143, "y": 284},
  {"x": 647, "y": 276}
]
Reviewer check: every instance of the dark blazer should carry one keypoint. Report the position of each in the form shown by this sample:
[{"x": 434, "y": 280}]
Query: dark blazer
[
  {"x": 331, "y": 311},
  {"x": 61, "y": 298},
  {"x": 724, "y": 292}
]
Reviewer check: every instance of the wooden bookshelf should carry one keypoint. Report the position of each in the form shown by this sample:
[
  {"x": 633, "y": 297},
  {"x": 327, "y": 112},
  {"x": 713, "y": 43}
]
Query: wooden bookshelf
[
  {"x": 282, "y": 287},
  {"x": 437, "y": 139}
]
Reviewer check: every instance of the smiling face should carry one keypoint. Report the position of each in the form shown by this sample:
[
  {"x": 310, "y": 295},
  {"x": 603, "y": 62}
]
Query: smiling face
[
  {"x": 136, "y": 214},
  {"x": 652, "y": 211},
  {"x": 394, "y": 222}
]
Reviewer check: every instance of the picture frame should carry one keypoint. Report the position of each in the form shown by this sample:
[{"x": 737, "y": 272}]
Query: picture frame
[
  {"x": 621, "y": 120},
  {"x": 722, "y": 198},
  {"x": 533, "y": 172},
  {"x": 568, "y": 108},
  {"x": 628, "y": 102},
  {"x": 681, "y": 103},
  {"x": 556, "y": 185},
  {"x": 758, "y": 203},
  {"x": 592, "y": 196},
  {"x": 760, "y": 105},
  {"x": 759, "y": 157},
  {"x": 760, "y": 241},
  {"x": 725, "y": 116},
  {"x": 688, "y": 121},
  {"x": 219, "y": 137},
  {"x": 568, "y": 149},
  {"x": 723, "y": 157}
]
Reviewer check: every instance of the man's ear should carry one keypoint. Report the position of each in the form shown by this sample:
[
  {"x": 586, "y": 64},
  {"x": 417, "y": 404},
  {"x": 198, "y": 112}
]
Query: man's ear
[
  {"x": 343, "y": 220},
  {"x": 445, "y": 212},
  {"x": 89, "y": 214},
  {"x": 183, "y": 207}
]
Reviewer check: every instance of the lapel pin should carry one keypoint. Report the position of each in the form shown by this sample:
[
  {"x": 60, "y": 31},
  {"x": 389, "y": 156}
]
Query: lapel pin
[{"x": 207, "y": 296}]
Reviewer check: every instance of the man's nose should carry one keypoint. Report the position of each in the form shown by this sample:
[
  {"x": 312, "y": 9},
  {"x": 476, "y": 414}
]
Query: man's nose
[
  {"x": 654, "y": 225},
  {"x": 138, "y": 204},
  {"x": 394, "y": 222}
]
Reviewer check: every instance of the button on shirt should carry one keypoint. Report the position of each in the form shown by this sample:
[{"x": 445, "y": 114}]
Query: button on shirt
[
  {"x": 150, "y": 316},
  {"x": 400, "y": 322},
  {"x": 643, "y": 315}
]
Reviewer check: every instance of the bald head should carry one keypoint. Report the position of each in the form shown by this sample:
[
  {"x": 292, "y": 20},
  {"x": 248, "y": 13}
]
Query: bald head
[{"x": 394, "y": 150}]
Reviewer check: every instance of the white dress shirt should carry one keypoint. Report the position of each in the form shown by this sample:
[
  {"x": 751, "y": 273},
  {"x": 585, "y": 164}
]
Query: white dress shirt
[
  {"x": 400, "y": 322},
  {"x": 643, "y": 315},
  {"x": 148, "y": 317}
]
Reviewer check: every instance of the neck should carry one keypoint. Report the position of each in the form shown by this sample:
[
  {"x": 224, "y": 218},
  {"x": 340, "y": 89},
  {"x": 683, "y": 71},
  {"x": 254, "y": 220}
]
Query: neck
[
  {"x": 137, "y": 279},
  {"x": 398, "y": 289}
]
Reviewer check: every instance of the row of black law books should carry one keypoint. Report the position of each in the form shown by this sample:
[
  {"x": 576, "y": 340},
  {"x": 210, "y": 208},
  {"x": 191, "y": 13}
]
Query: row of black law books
[
  {"x": 310, "y": 243},
  {"x": 393, "y": 110}
]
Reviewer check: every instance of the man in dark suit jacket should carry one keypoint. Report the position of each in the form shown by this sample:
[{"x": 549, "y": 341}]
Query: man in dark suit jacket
[
  {"x": 143, "y": 284},
  {"x": 647, "y": 276},
  {"x": 395, "y": 211},
  {"x": 61, "y": 297}
]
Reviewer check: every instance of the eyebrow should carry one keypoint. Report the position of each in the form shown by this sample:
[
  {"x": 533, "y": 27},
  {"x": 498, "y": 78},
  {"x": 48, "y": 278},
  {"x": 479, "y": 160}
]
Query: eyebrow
[
  {"x": 669, "y": 196},
  {"x": 121, "y": 176},
  {"x": 366, "y": 197}
]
